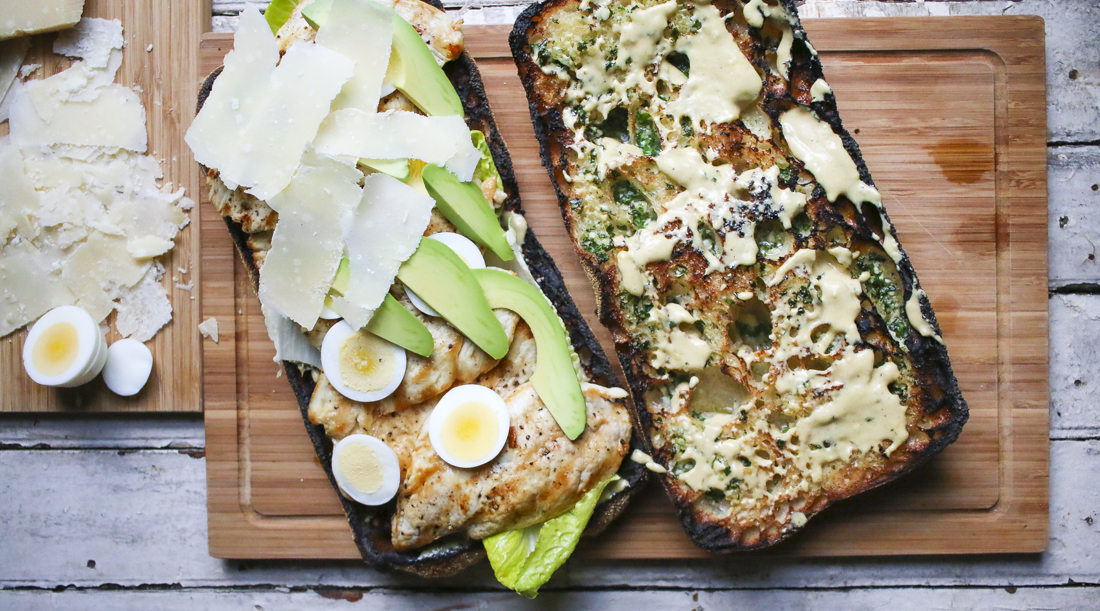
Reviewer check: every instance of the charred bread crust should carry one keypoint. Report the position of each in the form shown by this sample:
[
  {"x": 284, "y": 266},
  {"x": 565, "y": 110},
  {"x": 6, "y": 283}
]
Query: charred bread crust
[
  {"x": 371, "y": 526},
  {"x": 940, "y": 400}
]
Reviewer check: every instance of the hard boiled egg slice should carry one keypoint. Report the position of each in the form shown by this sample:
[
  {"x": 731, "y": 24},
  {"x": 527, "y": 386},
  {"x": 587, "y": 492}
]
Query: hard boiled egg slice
[
  {"x": 469, "y": 426},
  {"x": 366, "y": 469},
  {"x": 129, "y": 363},
  {"x": 360, "y": 365},
  {"x": 64, "y": 348},
  {"x": 465, "y": 249}
]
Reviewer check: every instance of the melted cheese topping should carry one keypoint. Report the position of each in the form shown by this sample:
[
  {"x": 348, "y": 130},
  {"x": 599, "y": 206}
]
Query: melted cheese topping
[
  {"x": 614, "y": 155},
  {"x": 819, "y": 90},
  {"x": 860, "y": 416},
  {"x": 722, "y": 80},
  {"x": 820, "y": 148},
  {"x": 916, "y": 317}
]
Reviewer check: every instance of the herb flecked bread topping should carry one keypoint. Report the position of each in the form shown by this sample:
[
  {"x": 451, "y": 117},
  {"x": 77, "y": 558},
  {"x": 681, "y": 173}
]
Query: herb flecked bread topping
[{"x": 779, "y": 349}]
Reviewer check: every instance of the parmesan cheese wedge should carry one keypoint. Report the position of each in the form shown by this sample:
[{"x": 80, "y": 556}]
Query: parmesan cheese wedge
[
  {"x": 383, "y": 232},
  {"x": 308, "y": 241},
  {"x": 400, "y": 135},
  {"x": 362, "y": 32},
  {"x": 38, "y": 16},
  {"x": 114, "y": 119}
]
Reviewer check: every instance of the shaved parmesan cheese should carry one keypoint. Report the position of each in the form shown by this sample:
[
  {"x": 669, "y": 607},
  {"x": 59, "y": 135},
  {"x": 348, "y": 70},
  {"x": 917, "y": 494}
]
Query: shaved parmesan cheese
[
  {"x": 29, "y": 286},
  {"x": 91, "y": 40},
  {"x": 148, "y": 246},
  {"x": 362, "y": 32},
  {"x": 290, "y": 343},
  {"x": 143, "y": 310},
  {"x": 209, "y": 328},
  {"x": 300, "y": 93},
  {"x": 98, "y": 269},
  {"x": 18, "y": 199},
  {"x": 400, "y": 135},
  {"x": 12, "y": 53},
  {"x": 237, "y": 93},
  {"x": 81, "y": 211},
  {"x": 114, "y": 119},
  {"x": 383, "y": 232},
  {"x": 308, "y": 242},
  {"x": 38, "y": 16}
]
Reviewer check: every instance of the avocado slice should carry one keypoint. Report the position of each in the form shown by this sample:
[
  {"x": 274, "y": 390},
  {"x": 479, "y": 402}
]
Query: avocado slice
[
  {"x": 316, "y": 13},
  {"x": 464, "y": 205},
  {"x": 343, "y": 274},
  {"x": 414, "y": 72},
  {"x": 278, "y": 13},
  {"x": 443, "y": 281},
  {"x": 554, "y": 379},
  {"x": 395, "y": 324},
  {"x": 398, "y": 168}
]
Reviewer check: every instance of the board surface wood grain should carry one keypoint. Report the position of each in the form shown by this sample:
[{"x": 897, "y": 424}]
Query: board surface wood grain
[
  {"x": 950, "y": 115},
  {"x": 168, "y": 77}
]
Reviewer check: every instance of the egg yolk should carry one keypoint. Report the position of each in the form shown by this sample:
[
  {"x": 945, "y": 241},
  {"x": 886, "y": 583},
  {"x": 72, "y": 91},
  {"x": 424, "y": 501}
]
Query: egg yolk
[
  {"x": 366, "y": 362},
  {"x": 470, "y": 431},
  {"x": 56, "y": 349},
  {"x": 360, "y": 467}
]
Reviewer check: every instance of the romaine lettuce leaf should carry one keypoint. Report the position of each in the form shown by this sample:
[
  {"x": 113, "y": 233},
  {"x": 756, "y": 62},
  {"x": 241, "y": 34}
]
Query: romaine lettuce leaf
[
  {"x": 278, "y": 12},
  {"x": 486, "y": 167},
  {"x": 524, "y": 559}
]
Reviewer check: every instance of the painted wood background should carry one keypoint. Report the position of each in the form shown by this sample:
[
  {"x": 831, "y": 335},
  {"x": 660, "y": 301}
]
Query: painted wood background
[{"x": 110, "y": 511}]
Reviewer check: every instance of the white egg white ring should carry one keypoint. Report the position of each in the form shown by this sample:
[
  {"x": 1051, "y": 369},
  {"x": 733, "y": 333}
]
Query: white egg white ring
[
  {"x": 129, "y": 364},
  {"x": 387, "y": 461},
  {"x": 453, "y": 399},
  {"x": 91, "y": 352},
  {"x": 464, "y": 248},
  {"x": 330, "y": 364}
]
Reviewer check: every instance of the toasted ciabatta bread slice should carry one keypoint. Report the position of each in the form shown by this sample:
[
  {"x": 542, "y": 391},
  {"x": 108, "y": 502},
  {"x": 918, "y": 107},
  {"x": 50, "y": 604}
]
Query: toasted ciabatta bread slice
[
  {"x": 251, "y": 223},
  {"x": 780, "y": 352}
]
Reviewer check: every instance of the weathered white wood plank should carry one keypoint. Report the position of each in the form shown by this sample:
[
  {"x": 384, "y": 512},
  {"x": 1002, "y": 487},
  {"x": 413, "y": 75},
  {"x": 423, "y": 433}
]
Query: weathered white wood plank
[
  {"x": 901, "y": 599},
  {"x": 141, "y": 517},
  {"x": 59, "y": 431},
  {"x": 1075, "y": 366},
  {"x": 1073, "y": 179}
]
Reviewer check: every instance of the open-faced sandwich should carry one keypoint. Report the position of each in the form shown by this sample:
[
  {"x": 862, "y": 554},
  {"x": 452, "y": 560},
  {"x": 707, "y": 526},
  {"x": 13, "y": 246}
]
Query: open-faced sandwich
[
  {"x": 780, "y": 351},
  {"x": 453, "y": 393}
]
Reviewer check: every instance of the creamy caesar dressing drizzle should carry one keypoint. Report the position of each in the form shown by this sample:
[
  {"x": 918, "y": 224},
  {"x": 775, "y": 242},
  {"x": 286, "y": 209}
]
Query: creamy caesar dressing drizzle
[
  {"x": 858, "y": 418},
  {"x": 783, "y": 51},
  {"x": 639, "y": 40},
  {"x": 722, "y": 81},
  {"x": 820, "y": 148},
  {"x": 916, "y": 317},
  {"x": 613, "y": 155},
  {"x": 642, "y": 248},
  {"x": 819, "y": 90},
  {"x": 839, "y": 303}
]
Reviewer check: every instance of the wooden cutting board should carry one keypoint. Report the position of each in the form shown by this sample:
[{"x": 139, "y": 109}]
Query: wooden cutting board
[
  {"x": 951, "y": 116},
  {"x": 167, "y": 75}
]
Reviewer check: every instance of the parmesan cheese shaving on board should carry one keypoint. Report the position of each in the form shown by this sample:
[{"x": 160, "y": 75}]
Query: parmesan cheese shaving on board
[{"x": 82, "y": 218}]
